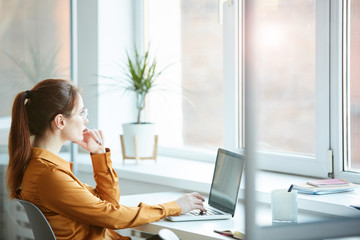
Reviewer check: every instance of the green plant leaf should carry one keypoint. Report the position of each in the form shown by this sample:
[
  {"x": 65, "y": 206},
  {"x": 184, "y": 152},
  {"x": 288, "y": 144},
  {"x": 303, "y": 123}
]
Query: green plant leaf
[{"x": 140, "y": 75}]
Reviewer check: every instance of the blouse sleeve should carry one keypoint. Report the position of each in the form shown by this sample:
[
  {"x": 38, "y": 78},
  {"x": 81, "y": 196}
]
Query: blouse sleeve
[
  {"x": 107, "y": 183},
  {"x": 62, "y": 192}
]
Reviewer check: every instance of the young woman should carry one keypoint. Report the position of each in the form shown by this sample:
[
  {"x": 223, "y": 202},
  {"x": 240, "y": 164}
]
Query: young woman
[{"x": 43, "y": 119}]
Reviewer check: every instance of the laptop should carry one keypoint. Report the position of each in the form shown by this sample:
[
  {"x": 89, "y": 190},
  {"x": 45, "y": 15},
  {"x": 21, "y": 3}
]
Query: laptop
[{"x": 224, "y": 189}]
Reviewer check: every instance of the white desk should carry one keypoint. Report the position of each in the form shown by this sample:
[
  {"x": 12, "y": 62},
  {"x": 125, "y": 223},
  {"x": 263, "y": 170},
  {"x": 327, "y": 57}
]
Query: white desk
[{"x": 205, "y": 229}]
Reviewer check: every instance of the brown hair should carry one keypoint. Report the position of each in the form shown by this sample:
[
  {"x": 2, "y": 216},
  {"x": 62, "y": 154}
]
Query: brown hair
[{"x": 32, "y": 113}]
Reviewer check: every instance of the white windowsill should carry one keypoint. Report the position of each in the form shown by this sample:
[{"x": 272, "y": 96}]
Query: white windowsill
[{"x": 196, "y": 176}]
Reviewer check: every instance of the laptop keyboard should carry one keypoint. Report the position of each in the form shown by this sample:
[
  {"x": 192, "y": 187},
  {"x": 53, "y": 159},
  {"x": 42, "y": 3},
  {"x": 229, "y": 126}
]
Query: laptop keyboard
[{"x": 209, "y": 211}]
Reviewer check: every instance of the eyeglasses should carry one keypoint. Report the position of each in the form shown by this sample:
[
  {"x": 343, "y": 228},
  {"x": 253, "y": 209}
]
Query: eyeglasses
[{"x": 84, "y": 114}]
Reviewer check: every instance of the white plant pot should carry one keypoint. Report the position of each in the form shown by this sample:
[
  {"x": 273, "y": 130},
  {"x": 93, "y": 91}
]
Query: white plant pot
[{"x": 145, "y": 139}]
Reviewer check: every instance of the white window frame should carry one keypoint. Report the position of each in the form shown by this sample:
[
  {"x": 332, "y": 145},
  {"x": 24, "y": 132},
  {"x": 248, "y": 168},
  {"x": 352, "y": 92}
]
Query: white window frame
[
  {"x": 328, "y": 74},
  {"x": 336, "y": 87},
  {"x": 334, "y": 228},
  {"x": 340, "y": 73},
  {"x": 230, "y": 76},
  {"x": 319, "y": 166},
  {"x": 84, "y": 58},
  {"x": 305, "y": 165}
]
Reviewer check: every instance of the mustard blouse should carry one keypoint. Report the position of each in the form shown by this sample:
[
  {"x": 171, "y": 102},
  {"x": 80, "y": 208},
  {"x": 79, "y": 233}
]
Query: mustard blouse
[{"x": 78, "y": 211}]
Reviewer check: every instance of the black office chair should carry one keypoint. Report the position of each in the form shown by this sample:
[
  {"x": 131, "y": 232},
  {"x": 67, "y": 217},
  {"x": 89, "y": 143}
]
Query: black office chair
[{"x": 39, "y": 225}]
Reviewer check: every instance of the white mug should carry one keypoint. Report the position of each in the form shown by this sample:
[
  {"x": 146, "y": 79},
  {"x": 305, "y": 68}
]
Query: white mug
[{"x": 284, "y": 205}]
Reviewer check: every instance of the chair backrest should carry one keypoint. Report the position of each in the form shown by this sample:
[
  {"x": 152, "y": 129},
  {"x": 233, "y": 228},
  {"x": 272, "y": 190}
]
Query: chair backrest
[{"x": 39, "y": 225}]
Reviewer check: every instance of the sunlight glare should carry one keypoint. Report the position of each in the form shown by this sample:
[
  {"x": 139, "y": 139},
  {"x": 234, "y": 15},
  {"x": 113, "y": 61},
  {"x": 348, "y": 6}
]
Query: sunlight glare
[{"x": 270, "y": 36}]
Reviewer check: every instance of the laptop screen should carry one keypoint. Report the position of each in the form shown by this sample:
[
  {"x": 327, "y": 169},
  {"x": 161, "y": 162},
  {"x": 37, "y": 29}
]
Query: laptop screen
[{"x": 226, "y": 180}]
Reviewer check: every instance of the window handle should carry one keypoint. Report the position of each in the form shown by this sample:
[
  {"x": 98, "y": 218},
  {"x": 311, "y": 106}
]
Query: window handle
[{"x": 221, "y": 9}]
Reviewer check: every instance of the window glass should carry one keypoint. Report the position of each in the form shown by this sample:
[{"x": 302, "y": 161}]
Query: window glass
[
  {"x": 34, "y": 45},
  {"x": 285, "y": 70},
  {"x": 186, "y": 34},
  {"x": 353, "y": 86}
]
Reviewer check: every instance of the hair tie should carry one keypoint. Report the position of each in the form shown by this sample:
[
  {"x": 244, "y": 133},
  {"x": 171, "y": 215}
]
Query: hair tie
[{"x": 28, "y": 94}]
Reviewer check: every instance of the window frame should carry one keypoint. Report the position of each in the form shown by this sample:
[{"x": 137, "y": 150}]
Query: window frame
[
  {"x": 319, "y": 165},
  {"x": 5, "y": 121},
  {"x": 84, "y": 60},
  {"x": 328, "y": 161},
  {"x": 231, "y": 84},
  {"x": 336, "y": 87},
  {"x": 340, "y": 73},
  {"x": 233, "y": 76}
]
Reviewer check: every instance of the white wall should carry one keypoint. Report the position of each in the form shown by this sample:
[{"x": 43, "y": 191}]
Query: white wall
[{"x": 116, "y": 34}]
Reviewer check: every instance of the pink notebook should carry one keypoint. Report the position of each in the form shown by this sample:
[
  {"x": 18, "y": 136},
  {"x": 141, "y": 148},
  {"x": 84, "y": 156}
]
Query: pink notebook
[{"x": 328, "y": 182}]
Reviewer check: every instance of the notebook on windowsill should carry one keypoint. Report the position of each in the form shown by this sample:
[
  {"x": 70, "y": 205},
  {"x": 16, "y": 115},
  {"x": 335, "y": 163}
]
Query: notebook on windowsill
[{"x": 307, "y": 188}]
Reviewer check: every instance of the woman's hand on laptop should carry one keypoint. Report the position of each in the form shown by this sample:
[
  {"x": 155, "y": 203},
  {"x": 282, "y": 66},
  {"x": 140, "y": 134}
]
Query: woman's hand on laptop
[{"x": 190, "y": 202}]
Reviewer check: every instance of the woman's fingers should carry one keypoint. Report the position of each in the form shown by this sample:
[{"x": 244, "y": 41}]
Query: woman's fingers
[
  {"x": 96, "y": 136},
  {"x": 198, "y": 204},
  {"x": 190, "y": 202},
  {"x": 93, "y": 141},
  {"x": 197, "y": 195},
  {"x": 101, "y": 135}
]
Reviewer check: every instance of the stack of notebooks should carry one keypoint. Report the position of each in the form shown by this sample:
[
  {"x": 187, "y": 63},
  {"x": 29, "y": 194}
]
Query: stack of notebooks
[{"x": 325, "y": 186}]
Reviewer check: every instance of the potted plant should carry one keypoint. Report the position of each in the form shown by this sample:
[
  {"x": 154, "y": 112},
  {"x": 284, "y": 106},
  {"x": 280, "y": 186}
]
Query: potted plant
[{"x": 139, "y": 140}]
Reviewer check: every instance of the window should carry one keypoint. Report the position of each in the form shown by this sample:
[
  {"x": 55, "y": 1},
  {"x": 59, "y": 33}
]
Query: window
[
  {"x": 351, "y": 99},
  {"x": 308, "y": 119},
  {"x": 344, "y": 92},
  {"x": 186, "y": 34},
  {"x": 187, "y": 40},
  {"x": 288, "y": 45},
  {"x": 285, "y": 72},
  {"x": 300, "y": 89},
  {"x": 34, "y": 45}
]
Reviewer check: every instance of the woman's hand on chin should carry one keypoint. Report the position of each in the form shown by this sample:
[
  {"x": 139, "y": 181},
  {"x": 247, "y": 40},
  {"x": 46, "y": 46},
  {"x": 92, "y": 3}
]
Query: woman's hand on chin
[{"x": 93, "y": 141}]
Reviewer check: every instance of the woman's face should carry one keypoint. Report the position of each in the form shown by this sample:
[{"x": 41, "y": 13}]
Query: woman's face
[{"x": 75, "y": 124}]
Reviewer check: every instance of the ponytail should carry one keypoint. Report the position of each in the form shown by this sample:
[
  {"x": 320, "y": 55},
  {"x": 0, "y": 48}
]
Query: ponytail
[
  {"x": 19, "y": 145},
  {"x": 32, "y": 114}
]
